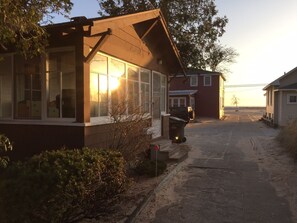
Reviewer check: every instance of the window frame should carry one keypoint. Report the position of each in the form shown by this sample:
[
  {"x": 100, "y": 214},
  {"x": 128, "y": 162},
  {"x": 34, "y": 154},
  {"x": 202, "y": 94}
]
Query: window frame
[
  {"x": 98, "y": 76},
  {"x": 288, "y": 99},
  {"x": 146, "y": 84},
  {"x": 192, "y": 78},
  {"x": 163, "y": 89},
  {"x": 10, "y": 117},
  {"x": 171, "y": 100},
  {"x": 210, "y": 81},
  {"x": 135, "y": 83},
  {"x": 138, "y": 82},
  {"x": 46, "y": 84},
  {"x": 31, "y": 89}
]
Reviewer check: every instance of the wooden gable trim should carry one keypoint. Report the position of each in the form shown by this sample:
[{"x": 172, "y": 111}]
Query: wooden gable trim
[
  {"x": 96, "y": 48},
  {"x": 123, "y": 20}
]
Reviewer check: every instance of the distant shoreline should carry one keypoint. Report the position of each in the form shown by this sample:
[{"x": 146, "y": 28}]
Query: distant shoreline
[{"x": 244, "y": 107}]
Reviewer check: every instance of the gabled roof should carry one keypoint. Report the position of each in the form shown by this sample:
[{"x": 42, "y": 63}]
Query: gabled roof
[
  {"x": 276, "y": 82},
  {"x": 192, "y": 71},
  {"x": 149, "y": 25},
  {"x": 289, "y": 87}
]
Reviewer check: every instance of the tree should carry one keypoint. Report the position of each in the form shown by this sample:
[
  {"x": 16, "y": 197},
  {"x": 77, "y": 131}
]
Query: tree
[
  {"x": 220, "y": 57},
  {"x": 194, "y": 25},
  {"x": 235, "y": 101},
  {"x": 20, "y": 22}
]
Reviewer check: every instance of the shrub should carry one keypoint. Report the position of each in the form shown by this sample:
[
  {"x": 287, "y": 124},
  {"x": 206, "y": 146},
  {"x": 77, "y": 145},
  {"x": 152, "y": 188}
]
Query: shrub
[
  {"x": 288, "y": 138},
  {"x": 148, "y": 167},
  {"x": 128, "y": 133},
  {"x": 60, "y": 186}
]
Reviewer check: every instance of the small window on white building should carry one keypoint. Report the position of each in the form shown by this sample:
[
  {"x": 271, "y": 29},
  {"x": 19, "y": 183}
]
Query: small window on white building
[
  {"x": 194, "y": 81},
  {"x": 292, "y": 99},
  {"x": 207, "y": 80}
]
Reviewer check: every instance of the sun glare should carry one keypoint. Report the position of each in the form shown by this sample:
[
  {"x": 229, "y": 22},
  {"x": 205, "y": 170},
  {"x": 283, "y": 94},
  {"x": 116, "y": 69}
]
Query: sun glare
[{"x": 113, "y": 83}]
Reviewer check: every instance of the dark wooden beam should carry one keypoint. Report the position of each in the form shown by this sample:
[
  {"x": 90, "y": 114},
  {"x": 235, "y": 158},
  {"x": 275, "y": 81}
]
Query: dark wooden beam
[{"x": 150, "y": 28}]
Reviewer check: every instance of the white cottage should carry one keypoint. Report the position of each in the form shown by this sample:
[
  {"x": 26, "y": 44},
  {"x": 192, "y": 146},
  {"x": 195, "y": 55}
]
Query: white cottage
[{"x": 281, "y": 99}]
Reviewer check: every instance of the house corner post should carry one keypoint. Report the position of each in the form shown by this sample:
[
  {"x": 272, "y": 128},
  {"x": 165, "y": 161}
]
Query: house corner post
[
  {"x": 82, "y": 83},
  {"x": 165, "y": 126}
]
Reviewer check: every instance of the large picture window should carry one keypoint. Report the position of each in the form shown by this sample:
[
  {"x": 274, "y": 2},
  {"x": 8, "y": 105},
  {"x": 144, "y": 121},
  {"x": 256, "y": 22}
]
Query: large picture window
[
  {"x": 27, "y": 88},
  {"x": 6, "y": 87},
  {"x": 119, "y": 87},
  {"x": 61, "y": 93}
]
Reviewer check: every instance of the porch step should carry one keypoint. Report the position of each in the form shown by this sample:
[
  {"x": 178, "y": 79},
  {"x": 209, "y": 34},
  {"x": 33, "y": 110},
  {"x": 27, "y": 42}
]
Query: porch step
[
  {"x": 168, "y": 151},
  {"x": 179, "y": 156}
]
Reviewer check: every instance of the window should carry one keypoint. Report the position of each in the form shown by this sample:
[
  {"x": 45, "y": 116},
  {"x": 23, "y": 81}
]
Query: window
[
  {"x": 207, "y": 80},
  {"x": 61, "y": 93},
  {"x": 27, "y": 88},
  {"x": 177, "y": 102},
  {"x": 182, "y": 102},
  {"x": 117, "y": 85},
  {"x": 194, "y": 81},
  {"x": 159, "y": 94},
  {"x": 98, "y": 86},
  {"x": 163, "y": 93},
  {"x": 6, "y": 87},
  {"x": 270, "y": 96},
  {"x": 145, "y": 90},
  {"x": 133, "y": 89},
  {"x": 292, "y": 98},
  {"x": 192, "y": 102}
]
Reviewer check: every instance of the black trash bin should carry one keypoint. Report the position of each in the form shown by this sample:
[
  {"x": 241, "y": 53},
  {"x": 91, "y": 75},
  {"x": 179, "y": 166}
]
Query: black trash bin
[
  {"x": 177, "y": 129},
  {"x": 180, "y": 112}
]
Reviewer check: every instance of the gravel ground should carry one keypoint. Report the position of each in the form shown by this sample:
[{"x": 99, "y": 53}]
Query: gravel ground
[
  {"x": 260, "y": 149},
  {"x": 267, "y": 153}
]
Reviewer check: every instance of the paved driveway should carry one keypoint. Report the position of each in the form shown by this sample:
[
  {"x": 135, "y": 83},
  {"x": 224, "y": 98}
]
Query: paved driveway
[{"x": 222, "y": 180}]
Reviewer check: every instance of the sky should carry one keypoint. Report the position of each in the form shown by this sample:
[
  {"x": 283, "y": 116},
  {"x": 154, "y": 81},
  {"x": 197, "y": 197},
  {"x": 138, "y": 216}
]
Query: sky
[{"x": 263, "y": 32}]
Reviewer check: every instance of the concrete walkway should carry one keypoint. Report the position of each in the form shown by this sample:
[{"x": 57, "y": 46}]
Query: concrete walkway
[{"x": 222, "y": 180}]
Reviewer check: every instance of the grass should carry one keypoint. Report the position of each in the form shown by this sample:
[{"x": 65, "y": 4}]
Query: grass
[{"x": 288, "y": 138}]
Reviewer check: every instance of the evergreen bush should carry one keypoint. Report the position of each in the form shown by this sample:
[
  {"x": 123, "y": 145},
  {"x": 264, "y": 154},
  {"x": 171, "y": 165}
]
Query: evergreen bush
[{"x": 61, "y": 186}]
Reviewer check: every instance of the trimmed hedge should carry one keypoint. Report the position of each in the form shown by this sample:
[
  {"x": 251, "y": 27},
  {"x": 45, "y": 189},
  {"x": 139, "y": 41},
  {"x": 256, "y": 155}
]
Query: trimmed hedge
[{"x": 61, "y": 186}]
